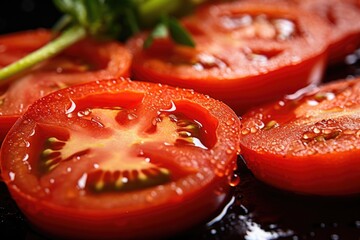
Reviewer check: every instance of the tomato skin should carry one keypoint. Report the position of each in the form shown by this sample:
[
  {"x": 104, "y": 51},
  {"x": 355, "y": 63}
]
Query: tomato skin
[
  {"x": 307, "y": 144},
  {"x": 153, "y": 212},
  {"x": 83, "y": 62},
  {"x": 221, "y": 64}
]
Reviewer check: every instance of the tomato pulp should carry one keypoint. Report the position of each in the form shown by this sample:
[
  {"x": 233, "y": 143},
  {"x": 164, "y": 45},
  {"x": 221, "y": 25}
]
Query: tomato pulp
[
  {"x": 307, "y": 143},
  {"x": 246, "y": 53},
  {"x": 121, "y": 159},
  {"x": 83, "y": 62}
]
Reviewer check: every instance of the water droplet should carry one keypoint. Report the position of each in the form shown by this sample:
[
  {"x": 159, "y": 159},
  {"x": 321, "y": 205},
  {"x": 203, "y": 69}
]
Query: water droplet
[
  {"x": 71, "y": 108},
  {"x": 230, "y": 122},
  {"x": 24, "y": 144},
  {"x": 234, "y": 180},
  {"x": 253, "y": 129},
  {"x": 82, "y": 181},
  {"x": 132, "y": 116},
  {"x": 312, "y": 102},
  {"x": 25, "y": 158},
  {"x": 12, "y": 176},
  {"x": 316, "y": 130},
  {"x": 229, "y": 151},
  {"x": 245, "y": 131},
  {"x": 179, "y": 191}
]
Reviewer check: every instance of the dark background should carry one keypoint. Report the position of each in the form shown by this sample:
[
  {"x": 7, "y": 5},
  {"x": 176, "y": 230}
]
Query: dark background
[
  {"x": 16, "y": 15},
  {"x": 255, "y": 212}
]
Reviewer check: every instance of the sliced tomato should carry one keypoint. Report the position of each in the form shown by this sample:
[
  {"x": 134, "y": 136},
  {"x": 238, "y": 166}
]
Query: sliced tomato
[
  {"x": 83, "y": 62},
  {"x": 246, "y": 53},
  {"x": 120, "y": 159},
  {"x": 308, "y": 142},
  {"x": 344, "y": 20}
]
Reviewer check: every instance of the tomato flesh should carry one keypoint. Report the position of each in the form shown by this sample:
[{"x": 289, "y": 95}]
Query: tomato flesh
[
  {"x": 84, "y": 62},
  {"x": 308, "y": 142},
  {"x": 344, "y": 20},
  {"x": 246, "y": 54},
  {"x": 117, "y": 158}
]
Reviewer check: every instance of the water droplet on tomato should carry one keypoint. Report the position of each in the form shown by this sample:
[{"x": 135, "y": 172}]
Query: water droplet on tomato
[
  {"x": 132, "y": 116},
  {"x": 12, "y": 176},
  {"x": 25, "y": 158},
  {"x": 230, "y": 150},
  {"x": 97, "y": 121},
  {"x": 234, "y": 180},
  {"x": 84, "y": 113},
  {"x": 24, "y": 144},
  {"x": 312, "y": 102},
  {"x": 71, "y": 108},
  {"x": 179, "y": 191},
  {"x": 245, "y": 131},
  {"x": 81, "y": 184},
  {"x": 230, "y": 122}
]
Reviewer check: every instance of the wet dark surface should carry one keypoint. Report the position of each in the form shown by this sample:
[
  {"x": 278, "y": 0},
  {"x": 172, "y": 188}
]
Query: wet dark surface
[{"x": 255, "y": 211}]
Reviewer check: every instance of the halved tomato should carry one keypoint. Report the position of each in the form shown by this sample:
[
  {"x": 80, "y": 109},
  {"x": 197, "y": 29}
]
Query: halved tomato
[
  {"x": 246, "y": 53},
  {"x": 308, "y": 142},
  {"x": 121, "y": 159},
  {"x": 83, "y": 62}
]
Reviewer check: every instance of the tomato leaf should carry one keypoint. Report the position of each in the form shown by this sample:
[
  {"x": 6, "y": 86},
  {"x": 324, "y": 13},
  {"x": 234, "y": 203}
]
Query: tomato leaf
[
  {"x": 170, "y": 27},
  {"x": 179, "y": 34}
]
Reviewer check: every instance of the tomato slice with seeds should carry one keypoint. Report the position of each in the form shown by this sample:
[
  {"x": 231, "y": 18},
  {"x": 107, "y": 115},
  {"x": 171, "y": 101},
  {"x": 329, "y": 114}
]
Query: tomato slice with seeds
[
  {"x": 83, "y": 62},
  {"x": 121, "y": 159},
  {"x": 308, "y": 142},
  {"x": 246, "y": 53}
]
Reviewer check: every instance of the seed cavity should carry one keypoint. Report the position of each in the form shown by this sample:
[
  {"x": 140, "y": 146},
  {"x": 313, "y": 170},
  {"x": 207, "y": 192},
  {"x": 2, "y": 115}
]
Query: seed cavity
[
  {"x": 259, "y": 26},
  {"x": 51, "y": 156},
  {"x": 100, "y": 180},
  {"x": 205, "y": 61}
]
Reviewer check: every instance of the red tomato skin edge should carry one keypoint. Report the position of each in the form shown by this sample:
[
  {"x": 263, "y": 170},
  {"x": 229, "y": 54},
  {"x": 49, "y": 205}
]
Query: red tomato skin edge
[
  {"x": 309, "y": 175},
  {"x": 243, "y": 93},
  {"x": 340, "y": 49},
  {"x": 114, "y": 224}
]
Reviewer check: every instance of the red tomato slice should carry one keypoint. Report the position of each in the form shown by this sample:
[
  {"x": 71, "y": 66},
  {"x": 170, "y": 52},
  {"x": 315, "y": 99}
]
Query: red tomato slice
[
  {"x": 246, "y": 53},
  {"x": 83, "y": 62},
  {"x": 307, "y": 143},
  {"x": 120, "y": 159},
  {"x": 344, "y": 20}
]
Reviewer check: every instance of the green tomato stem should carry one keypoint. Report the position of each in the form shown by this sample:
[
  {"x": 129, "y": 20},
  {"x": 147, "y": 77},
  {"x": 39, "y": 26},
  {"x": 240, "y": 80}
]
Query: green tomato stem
[{"x": 66, "y": 39}]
